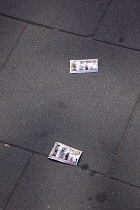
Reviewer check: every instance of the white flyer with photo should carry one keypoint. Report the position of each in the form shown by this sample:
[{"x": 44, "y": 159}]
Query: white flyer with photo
[
  {"x": 84, "y": 66},
  {"x": 65, "y": 154}
]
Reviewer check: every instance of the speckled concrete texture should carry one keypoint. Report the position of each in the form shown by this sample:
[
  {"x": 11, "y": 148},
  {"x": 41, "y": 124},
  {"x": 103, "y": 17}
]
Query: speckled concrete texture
[
  {"x": 79, "y": 17},
  {"x": 127, "y": 167},
  {"x": 41, "y": 103},
  {"x": 121, "y": 24},
  {"x": 10, "y": 31},
  {"x": 12, "y": 163},
  {"x": 46, "y": 103},
  {"x": 51, "y": 185}
]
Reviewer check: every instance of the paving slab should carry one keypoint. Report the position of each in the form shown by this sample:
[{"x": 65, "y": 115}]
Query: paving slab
[
  {"x": 9, "y": 33},
  {"x": 41, "y": 102},
  {"x": 121, "y": 24},
  {"x": 51, "y": 185},
  {"x": 127, "y": 167},
  {"x": 12, "y": 162},
  {"x": 80, "y": 17}
]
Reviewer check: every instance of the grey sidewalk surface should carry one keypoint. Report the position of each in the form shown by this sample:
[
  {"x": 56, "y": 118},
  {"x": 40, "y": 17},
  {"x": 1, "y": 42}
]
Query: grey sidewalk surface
[
  {"x": 10, "y": 30},
  {"x": 71, "y": 16},
  {"x": 12, "y": 163},
  {"x": 47, "y": 185},
  {"x": 121, "y": 24},
  {"x": 41, "y": 103}
]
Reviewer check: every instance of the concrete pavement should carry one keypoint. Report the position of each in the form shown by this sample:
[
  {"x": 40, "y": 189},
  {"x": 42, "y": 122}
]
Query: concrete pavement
[{"x": 41, "y": 102}]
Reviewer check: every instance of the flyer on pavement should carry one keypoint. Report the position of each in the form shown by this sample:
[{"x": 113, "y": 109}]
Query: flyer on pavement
[
  {"x": 84, "y": 66},
  {"x": 65, "y": 154}
]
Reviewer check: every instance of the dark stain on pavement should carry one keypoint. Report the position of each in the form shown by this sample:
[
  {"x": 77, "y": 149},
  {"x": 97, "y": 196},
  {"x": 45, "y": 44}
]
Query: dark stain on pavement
[
  {"x": 101, "y": 4},
  {"x": 51, "y": 114},
  {"x": 28, "y": 180},
  {"x": 84, "y": 166},
  {"x": 121, "y": 39},
  {"x": 90, "y": 198},
  {"x": 101, "y": 197},
  {"x": 43, "y": 134},
  {"x": 10, "y": 7},
  {"x": 49, "y": 131},
  {"x": 61, "y": 105},
  {"x": 14, "y": 67},
  {"x": 92, "y": 173}
]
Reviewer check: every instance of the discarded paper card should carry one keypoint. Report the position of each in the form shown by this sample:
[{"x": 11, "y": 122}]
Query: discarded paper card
[
  {"x": 83, "y": 66},
  {"x": 65, "y": 154}
]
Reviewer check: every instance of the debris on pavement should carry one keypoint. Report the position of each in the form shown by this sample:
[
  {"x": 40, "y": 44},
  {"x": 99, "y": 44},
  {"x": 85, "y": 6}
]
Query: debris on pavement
[
  {"x": 65, "y": 154},
  {"x": 6, "y": 145},
  {"x": 84, "y": 66}
]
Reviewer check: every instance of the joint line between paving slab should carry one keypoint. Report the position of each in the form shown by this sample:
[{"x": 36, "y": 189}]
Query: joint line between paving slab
[
  {"x": 9, "y": 54},
  {"x": 124, "y": 183},
  {"x": 18, "y": 181},
  {"x": 94, "y": 172},
  {"x": 67, "y": 32},
  {"x": 103, "y": 176},
  {"x": 117, "y": 180},
  {"x": 26, "y": 21},
  {"x": 123, "y": 136},
  {"x": 116, "y": 45},
  {"x": 101, "y": 19},
  {"x": 72, "y": 33},
  {"x": 44, "y": 26},
  {"x": 20, "y": 148}
]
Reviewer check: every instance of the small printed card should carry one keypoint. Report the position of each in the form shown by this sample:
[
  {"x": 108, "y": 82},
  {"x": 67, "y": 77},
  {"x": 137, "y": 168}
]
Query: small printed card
[
  {"x": 83, "y": 66},
  {"x": 65, "y": 154}
]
